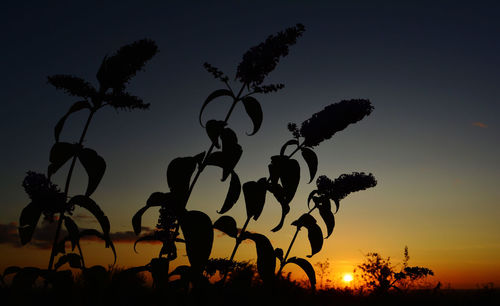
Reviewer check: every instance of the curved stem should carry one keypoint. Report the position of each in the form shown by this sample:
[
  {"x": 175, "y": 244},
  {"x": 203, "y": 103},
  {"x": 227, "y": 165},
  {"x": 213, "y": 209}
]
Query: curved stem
[
  {"x": 236, "y": 245},
  {"x": 291, "y": 244},
  {"x": 202, "y": 166},
  {"x": 66, "y": 189}
]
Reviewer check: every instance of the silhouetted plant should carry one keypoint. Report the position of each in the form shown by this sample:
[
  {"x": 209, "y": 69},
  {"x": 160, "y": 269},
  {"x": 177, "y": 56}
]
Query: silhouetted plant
[
  {"x": 183, "y": 172},
  {"x": 327, "y": 190},
  {"x": 380, "y": 274},
  {"x": 46, "y": 198},
  {"x": 283, "y": 181}
]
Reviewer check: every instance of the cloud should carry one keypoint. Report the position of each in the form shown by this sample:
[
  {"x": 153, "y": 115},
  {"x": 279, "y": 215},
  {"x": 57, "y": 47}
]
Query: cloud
[
  {"x": 479, "y": 124},
  {"x": 44, "y": 235}
]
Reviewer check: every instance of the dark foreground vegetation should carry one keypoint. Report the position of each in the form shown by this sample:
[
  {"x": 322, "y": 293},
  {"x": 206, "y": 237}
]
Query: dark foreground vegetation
[{"x": 99, "y": 286}]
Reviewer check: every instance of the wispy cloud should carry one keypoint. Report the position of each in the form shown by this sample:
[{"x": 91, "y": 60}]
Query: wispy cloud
[
  {"x": 44, "y": 235},
  {"x": 479, "y": 124}
]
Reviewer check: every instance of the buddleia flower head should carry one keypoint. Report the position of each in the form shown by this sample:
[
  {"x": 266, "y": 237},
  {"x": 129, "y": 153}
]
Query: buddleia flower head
[
  {"x": 332, "y": 119},
  {"x": 44, "y": 194},
  {"x": 345, "y": 184},
  {"x": 260, "y": 60}
]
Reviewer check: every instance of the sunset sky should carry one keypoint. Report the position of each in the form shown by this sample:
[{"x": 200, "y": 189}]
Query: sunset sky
[{"x": 430, "y": 70}]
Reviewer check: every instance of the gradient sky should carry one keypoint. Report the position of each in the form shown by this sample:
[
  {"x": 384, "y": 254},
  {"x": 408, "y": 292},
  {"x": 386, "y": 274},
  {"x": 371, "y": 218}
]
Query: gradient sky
[{"x": 430, "y": 69}]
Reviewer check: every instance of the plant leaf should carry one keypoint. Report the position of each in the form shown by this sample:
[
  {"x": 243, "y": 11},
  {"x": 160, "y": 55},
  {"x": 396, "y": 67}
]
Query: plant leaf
[
  {"x": 313, "y": 232},
  {"x": 212, "y": 96},
  {"x": 214, "y": 129},
  {"x": 311, "y": 160},
  {"x": 137, "y": 220},
  {"x": 227, "y": 225},
  {"x": 254, "y": 111},
  {"x": 77, "y": 106},
  {"x": 106, "y": 238},
  {"x": 60, "y": 153},
  {"x": 290, "y": 177},
  {"x": 89, "y": 204},
  {"x": 288, "y": 143},
  {"x": 150, "y": 237},
  {"x": 233, "y": 194},
  {"x": 158, "y": 199},
  {"x": 266, "y": 259},
  {"x": 74, "y": 260},
  {"x": 28, "y": 221},
  {"x": 307, "y": 267},
  {"x": 94, "y": 165},
  {"x": 311, "y": 197},
  {"x": 74, "y": 233},
  {"x": 255, "y": 197},
  {"x": 279, "y": 253},
  {"x": 199, "y": 235},
  {"x": 325, "y": 211},
  {"x": 179, "y": 173}
]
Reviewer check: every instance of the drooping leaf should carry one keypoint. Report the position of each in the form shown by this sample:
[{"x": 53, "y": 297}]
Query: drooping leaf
[
  {"x": 89, "y": 204},
  {"x": 226, "y": 159},
  {"x": 94, "y": 165},
  {"x": 337, "y": 204},
  {"x": 311, "y": 197},
  {"x": 288, "y": 143},
  {"x": 73, "y": 109},
  {"x": 212, "y": 96},
  {"x": 137, "y": 220},
  {"x": 233, "y": 194},
  {"x": 214, "y": 129},
  {"x": 290, "y": 177},
  {"x": 279, "y": 194},
  {"x": 307, "y": 267},
  {"x": 254, "y": 111},
  {"x": 255, "y": 197},
  {"x": 227, "y": 225},
  {"x": 105, "y": 238},
  {"x": 266, "y": 259},
  {"x": 279, "y": 253},
  {"x": 74, "y": 260},
  {"x": 325, "y": 211},
  {"x": 179, "y": 173},
  {"x": 28, "y": 221},
  {"x": 150, "y": 237},
  {"x": 60, "y": 153},
  {"x": 311, "y": 160},
  {"x": 313, "y": 232},
  {"x": 74, "y": 233},
  {"x": 198, "y": 233},
  {"x": 158, "y": 199}
]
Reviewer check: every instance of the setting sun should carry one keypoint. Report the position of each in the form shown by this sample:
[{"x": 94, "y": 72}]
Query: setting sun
[{"x": 347, "y": 278}]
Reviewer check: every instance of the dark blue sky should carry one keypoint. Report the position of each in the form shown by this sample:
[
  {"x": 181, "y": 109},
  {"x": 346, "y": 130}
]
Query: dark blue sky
[{"x": 430, "y": 69}]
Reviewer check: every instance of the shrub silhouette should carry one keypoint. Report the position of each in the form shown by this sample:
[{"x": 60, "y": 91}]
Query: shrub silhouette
[
  {"x": 282, "y": 181},
  {"x": 380, "y": 274},
  {"x": 46, "y": 197}
]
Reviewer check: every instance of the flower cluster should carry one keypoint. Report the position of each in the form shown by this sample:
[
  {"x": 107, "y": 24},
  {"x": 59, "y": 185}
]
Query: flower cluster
[
  {"x": 292, "y": 127},
  {"x": 215, "y": 72},
  {"x": 44, "y": 194},
  {"x": 345, "y": 184},
  {"x": 117, "y": 70},
  {"x": 124, "y": 100},
  {"x": 72, "y": 85},
  {"x": 268, "y": 88},
  {"x": 260, "y": 60},
  {"x": 332, "y": 119}
]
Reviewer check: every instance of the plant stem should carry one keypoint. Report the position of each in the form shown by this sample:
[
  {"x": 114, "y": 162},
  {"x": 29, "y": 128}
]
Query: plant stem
[
  {"x": 236, "y": 245},
  {"x": 291, "y": 244},
  {"x": 66, "y": 189},
  {"x": 202, "y": 167}
]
